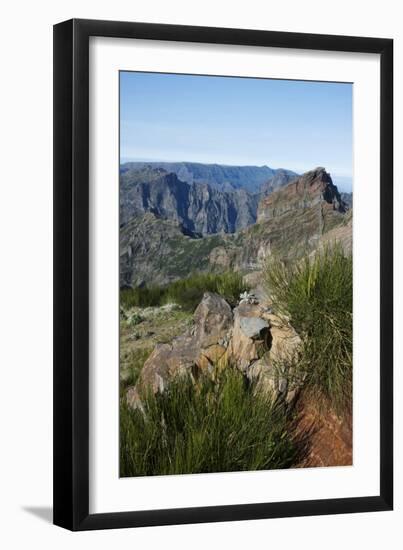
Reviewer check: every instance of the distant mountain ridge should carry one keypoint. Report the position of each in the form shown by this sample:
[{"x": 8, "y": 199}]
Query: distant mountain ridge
[
  {"x": 198, "y": 207},
  {"x": 347, "y": 198},
  {"x": 219, "y": 176},
  {"x": 293, "y": 220}
]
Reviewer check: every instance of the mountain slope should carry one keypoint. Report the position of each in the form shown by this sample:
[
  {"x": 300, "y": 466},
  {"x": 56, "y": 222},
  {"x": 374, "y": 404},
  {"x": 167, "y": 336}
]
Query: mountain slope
[
  {"x": 347, "y": 198},
  {"x": 280, "y": 179},
  {"x": 156, "y": 251},
  {"x": 292, "y": 221}
]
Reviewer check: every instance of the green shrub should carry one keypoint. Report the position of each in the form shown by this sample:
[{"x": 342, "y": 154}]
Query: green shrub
[
  {"x": 316, "y": 294},
  {"x": 186, "y": 292},
  {"x": 141, "y": 296},
  {"x": 230, "y": 285},
  {"x": 217, "y": 426},
  {"x": 134, "y": 319}
]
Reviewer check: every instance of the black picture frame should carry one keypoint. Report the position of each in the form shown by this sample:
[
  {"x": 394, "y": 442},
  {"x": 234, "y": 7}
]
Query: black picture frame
[{"x": 71, "y": 274}]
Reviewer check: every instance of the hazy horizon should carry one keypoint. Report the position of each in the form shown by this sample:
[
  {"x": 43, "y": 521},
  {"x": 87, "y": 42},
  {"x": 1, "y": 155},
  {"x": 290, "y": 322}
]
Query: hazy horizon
[
  {"x": 343, "y": 183},
  {"x": 235, "y": 121}
]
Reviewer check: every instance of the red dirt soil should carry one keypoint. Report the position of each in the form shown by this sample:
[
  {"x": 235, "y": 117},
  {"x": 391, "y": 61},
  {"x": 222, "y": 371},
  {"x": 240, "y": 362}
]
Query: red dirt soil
[{"x": 328, "y": 436}]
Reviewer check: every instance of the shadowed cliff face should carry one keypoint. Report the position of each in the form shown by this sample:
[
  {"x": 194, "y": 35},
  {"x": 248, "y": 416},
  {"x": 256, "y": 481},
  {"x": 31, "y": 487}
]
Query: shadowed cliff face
[
  {"x": 292, "y": 221},
  {"x": 198, "y": 207}
]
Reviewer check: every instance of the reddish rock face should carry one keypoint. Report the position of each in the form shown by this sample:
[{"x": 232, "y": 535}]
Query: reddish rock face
[{"x": 306, "y": 191}]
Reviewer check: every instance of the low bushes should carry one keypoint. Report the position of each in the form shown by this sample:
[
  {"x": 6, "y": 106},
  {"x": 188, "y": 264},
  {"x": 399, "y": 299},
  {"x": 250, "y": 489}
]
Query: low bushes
[
  {"x": 141, "y": 297},
  {"x": 186, "y": 292},
  {"x": 217, "y": 426},
  {"x": 316, "y": 294}
]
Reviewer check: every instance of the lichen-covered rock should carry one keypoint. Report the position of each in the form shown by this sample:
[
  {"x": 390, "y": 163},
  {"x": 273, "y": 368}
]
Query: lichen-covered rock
[
  {"x": 210, "y": 358},
  {"x": 285, "y": 343},
  {"x": 214, "y": 353},
  {"x": 264, "y": 375},
  {"x": 213, "y": 319},
  {"x": 198, "y": 349},
  {"x": 250, "y": 336},
  {"x": 265, "y": 347},
  {"x": 166, "y": 362},
  {"x": 253, "y": 327}
]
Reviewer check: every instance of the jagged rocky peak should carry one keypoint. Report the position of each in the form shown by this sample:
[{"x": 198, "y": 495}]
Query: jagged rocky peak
[{"x": 313, "y": 187}]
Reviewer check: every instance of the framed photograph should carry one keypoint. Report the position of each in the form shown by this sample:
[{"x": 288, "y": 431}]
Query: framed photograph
[{"x": 223, "y": 260}]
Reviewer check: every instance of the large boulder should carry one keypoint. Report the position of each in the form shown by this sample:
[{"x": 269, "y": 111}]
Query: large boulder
[
  {"x": 212, "y": 320},
  {"x": 284, "y": 354},
  {"x": 264, "y": 375},
  {"x": 250, "y": 336},
  {"x": 166, "y": 362},
  {"x": 201, "y": 348},
  {"x": 285, "y": 342},
  {"x": 266, "y": 348}
]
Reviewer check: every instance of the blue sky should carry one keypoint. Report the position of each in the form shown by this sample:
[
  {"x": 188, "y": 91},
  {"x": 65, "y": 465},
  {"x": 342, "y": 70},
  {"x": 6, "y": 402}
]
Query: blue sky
[{"x": 281, "y": 123}]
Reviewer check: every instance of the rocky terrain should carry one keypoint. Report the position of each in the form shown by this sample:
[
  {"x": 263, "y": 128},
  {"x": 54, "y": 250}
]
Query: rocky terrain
[
  {"x": 291, "y": 221},
  {"x": 170, "y": 229},
  {"x": 261, "y": 345}
]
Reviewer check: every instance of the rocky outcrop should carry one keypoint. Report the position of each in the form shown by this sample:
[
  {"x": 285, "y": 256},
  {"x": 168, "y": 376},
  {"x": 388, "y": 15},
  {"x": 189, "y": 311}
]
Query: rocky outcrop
[
  {"x": 250, "y": 338},
  {"x": 265, "y": 348},
  {"x": 198, "y": 348},
  {"x": 307, "y": 191},
  {"x": 212, "y": 320}
]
